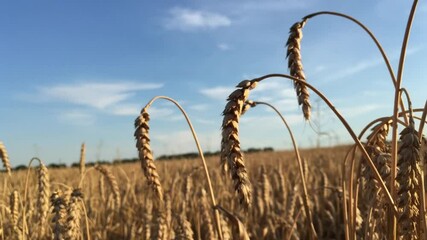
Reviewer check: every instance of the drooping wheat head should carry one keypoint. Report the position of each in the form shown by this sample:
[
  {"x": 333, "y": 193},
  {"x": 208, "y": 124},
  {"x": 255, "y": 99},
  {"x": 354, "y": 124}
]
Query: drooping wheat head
[
  {"x": 111, "y": 179},
  {"x": 145, "y": 154},
  {"x": 231, "y": 154},
  {"x": 295, "y": 66}
]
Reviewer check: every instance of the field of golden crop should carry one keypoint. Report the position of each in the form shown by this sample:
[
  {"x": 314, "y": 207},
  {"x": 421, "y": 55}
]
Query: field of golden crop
[{"x": 130, "y": 213}]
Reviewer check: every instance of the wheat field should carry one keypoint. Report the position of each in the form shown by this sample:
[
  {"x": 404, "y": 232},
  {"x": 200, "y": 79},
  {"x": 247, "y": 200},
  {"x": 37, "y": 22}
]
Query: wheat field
[{"x": 371, "y": 189}]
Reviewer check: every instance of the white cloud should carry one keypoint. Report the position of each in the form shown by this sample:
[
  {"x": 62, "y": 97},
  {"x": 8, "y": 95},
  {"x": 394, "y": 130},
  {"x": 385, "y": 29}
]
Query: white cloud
[
  {"x": 94, "y": 94},
  {"x": 218, "y": 93},
  {"x": 367, "y": 64},
  {"x": 223, "y": 47},
  {"x": 199, "y": 107},
  {"x": 125, "y": 110},
  {"x": 186, "y": 19},
  {"x": 103, "y": 96},
  {"x": 78, "y": 118}
]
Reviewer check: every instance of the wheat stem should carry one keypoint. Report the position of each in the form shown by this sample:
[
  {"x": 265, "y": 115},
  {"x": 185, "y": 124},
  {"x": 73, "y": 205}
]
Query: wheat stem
[
  {"x": 346, "y": 125},
  {"x": 397, "y": 99},
  {"x": 217, "y": 219},
  {"x": 298, "y": 156}
]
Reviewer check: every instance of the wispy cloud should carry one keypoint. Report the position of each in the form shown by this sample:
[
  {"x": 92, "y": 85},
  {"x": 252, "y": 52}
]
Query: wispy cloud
[
  {"x": 94, "y": 94},
  {"x": 199, "y": 107},
  {"x": 187, "y": 20},
  {"x": 77, "y": 118},
  {"x": 223, "y": 47},
  {"x": 367, "y": 64},
  {"x": 217, "y": 93}
]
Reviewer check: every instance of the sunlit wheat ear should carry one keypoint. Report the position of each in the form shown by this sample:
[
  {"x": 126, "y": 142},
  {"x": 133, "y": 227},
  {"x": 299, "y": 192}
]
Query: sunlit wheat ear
[
  {"x": 295, "y": 66},
  {"x": 378, "y": 136},
  {"x": 112, "y": 182},
  {"x": 59, "y": 213},
  {"x": 183, "y": 229},
  {"x": 231, "y": 154},
  {"x": 145, "y": 154},
  {"x": 207, "y": 227},
  {"x": 82, "y": 158},
  {"x": 14, "y": 209},
  {"x": 43, "y": 197},
  {"x": 74, "y": 213},
  {"x": 408, "y": 199},
  {"x": 5, "y": 159}
]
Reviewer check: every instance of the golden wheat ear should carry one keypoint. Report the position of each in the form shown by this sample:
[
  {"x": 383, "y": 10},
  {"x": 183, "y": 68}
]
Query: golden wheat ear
[
  {"x": 231, "y": 155},
  {"x": 409, "y": 171},
  {"x": 5, "y": 159},
  {"x": 295, "y": 66},
  {"x": 145, "y": 154}
]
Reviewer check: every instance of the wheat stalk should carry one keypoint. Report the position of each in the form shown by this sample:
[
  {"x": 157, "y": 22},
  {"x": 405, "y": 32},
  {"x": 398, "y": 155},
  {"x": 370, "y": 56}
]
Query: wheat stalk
[{"x": 141, "y": 135}]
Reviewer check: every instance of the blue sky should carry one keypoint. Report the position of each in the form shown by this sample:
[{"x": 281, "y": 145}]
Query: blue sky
[{"x": 80, "y": 71}]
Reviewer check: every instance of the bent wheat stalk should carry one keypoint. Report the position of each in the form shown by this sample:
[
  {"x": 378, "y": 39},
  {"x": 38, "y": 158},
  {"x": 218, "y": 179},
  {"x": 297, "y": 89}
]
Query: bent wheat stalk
[
  {"x": 143, "y": 146},
  {"x": 298, "y": 157},
  {"x": 347, "y": 127},
  {"x": 397, "y": 100}
]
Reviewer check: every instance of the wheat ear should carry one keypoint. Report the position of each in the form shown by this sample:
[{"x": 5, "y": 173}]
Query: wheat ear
[
  {"x": 82, "y": 162},
  {"x": 43, "y": 196},
  {"x": 296, "y": 68},
  {"x": 145, "y": 154},
  {"x": 74, "y": 212},
  {"x": 14, "y": 209},
  {"x": 59, "y": 213},
  {"x": 231, "y": 154},
  {"x": 5, "y": 159},
  {"x": 112, "y": 182},
  {"x": 409, "y": 172}
]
